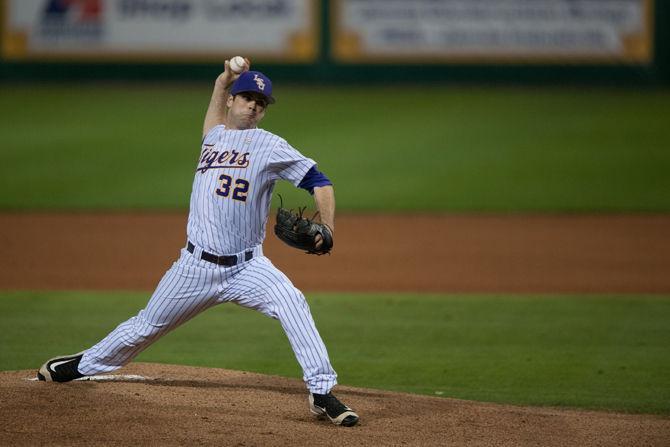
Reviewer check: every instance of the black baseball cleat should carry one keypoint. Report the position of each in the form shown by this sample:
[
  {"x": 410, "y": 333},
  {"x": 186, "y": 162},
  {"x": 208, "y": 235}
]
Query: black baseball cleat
[
  {"x": 61, "y": 369},
  {"x": 328, "y": 405}
]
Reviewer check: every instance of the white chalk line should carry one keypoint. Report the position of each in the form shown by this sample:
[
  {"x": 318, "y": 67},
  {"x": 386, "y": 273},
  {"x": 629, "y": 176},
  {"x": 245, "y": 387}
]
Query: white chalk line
[{"x": 107, "y": 378}]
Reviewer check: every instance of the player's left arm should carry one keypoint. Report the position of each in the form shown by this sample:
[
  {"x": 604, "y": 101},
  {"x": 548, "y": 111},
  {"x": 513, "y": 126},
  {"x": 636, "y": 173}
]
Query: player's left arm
[
  {"x": 324, "y": 198},
  {"x": 320, "y": 186}
]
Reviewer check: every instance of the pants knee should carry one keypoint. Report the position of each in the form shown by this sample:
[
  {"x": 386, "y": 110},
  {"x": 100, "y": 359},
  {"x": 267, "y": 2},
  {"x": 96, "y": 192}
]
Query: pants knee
[
  {"x": 294, "y": 302},
  {"x": 141, "y": 331}
]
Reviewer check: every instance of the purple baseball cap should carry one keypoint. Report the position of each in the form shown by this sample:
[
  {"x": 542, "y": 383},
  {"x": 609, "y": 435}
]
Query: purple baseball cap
[{"x": 253, "y": 81}]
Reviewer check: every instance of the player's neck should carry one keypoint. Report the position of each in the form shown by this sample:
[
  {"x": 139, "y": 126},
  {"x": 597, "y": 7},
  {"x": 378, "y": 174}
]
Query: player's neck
[{"x": 233, "y": 126}]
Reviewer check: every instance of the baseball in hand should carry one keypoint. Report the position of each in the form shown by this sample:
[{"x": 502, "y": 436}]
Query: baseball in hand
[{"x": 238, "y": 64}]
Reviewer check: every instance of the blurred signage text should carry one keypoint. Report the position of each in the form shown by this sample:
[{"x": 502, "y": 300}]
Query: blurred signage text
[
  {"x": 493, "y": 30},
  {"x": 170, "y": 30}
]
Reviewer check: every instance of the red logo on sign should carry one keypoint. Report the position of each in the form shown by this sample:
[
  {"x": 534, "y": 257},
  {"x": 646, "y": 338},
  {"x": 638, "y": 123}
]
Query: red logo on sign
[{"x": 74, "y": 10}]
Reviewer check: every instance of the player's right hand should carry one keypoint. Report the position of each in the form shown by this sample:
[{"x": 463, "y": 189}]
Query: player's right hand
[{"x": 229, "y": 76}]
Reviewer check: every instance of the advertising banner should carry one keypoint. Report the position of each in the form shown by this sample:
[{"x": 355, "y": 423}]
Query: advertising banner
[
  {"x": 493, "y": 31},
  {"x": 160, "y": 30}
]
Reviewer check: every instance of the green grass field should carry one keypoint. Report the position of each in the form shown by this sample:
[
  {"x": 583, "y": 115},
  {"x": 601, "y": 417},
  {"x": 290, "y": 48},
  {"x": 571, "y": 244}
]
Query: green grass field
[
  {"x": 599, "y": 352},
  {"x": 79, "y": 146}
]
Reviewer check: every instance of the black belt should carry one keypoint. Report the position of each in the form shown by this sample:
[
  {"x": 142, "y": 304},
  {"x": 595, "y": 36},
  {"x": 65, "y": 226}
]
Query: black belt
[{"x": 227, "y": 261}]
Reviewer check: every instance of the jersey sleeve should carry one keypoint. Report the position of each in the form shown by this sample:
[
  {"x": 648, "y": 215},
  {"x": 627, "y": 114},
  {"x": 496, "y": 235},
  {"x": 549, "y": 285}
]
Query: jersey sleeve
[
  {"x": 287, "y": 163},
  {"x": 314, "y": 178}
]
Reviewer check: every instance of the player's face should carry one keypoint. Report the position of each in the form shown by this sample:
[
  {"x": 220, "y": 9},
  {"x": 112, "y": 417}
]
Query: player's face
[{"x": 245, "y": 110}]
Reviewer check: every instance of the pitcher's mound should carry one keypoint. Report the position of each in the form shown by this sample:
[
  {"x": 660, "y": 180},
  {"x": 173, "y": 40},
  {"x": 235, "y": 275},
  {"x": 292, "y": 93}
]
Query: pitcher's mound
[{"x": 153, "y": 404}]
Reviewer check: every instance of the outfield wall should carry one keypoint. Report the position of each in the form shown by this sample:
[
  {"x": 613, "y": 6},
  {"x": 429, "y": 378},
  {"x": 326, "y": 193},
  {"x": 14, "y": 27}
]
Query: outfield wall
[{"x": 363, "y": 41}]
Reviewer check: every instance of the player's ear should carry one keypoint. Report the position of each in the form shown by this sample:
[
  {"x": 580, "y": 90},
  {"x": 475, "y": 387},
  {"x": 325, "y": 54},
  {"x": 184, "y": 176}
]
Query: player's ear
[{"x": 229, "y": 101}]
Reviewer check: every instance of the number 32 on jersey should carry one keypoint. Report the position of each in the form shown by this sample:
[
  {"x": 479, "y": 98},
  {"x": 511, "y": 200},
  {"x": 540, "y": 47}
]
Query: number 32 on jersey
[{"x": 239, "y": 187}]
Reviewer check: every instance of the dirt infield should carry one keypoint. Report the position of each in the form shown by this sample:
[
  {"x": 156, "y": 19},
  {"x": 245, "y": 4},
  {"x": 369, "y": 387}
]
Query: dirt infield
[
  {"x": 196, "y": 406},
  {"x": 423, "y": 253},
  {"x": 182, "y": 405}
]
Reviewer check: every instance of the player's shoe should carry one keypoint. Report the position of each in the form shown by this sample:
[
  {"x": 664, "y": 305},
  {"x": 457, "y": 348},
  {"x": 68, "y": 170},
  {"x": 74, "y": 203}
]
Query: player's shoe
[
  {"x": 327, "y": 405},
  {"x": 61, "y": 369}
]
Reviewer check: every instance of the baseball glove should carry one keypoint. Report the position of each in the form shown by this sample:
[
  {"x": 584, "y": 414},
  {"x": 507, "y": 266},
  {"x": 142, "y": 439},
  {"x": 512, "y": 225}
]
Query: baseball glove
[{"x": 301, "y": 233}]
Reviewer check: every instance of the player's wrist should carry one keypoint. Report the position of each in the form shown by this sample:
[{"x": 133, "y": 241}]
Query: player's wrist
[{"x": 224, "y": 81}]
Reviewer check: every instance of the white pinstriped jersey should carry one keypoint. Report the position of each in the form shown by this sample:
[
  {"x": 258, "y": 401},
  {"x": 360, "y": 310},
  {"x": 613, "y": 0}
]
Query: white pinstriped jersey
[{"x": 233, "y": 185}]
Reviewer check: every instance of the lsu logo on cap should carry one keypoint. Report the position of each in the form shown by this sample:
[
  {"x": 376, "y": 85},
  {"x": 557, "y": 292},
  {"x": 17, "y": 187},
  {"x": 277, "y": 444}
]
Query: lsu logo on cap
[{"x": 259, "y": 82}]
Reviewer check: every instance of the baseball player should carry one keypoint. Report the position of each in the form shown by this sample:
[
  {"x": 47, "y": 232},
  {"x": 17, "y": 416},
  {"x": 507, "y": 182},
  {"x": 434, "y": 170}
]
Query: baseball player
[{"x": 223, "y": 259}]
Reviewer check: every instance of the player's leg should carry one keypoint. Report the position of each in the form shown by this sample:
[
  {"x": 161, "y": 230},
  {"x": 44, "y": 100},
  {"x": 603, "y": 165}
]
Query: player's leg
[
  {"x": 264, "y": 288},
  {"x": 261, "y": 286},
  {"x": 293, "y": 313},
  {"x": 187, "y": 289}
]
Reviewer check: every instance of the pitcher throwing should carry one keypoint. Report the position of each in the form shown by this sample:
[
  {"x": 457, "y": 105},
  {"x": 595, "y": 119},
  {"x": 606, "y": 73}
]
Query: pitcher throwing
[{"x": 223, "y": 258}]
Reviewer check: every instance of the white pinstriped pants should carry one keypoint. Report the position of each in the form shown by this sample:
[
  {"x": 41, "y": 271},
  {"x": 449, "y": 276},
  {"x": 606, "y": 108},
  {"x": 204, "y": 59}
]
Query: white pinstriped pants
[{"x": 192, "y": 286}]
